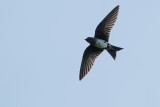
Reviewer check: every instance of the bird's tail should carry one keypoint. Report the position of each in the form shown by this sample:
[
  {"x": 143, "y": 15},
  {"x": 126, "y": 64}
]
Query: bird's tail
[{"x": 112, "y": 50}]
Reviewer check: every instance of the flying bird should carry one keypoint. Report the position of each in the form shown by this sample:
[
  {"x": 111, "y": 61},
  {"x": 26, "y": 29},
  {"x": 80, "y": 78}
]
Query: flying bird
[{"x": 99, "y": 42}]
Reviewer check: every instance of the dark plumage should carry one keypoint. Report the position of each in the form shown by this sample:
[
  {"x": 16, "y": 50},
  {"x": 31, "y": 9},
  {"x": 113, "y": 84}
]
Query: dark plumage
[{"x": 99, "y": 43}]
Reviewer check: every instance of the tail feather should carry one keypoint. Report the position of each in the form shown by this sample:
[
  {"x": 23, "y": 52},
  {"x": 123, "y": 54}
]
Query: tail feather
[{"x": 113, "y": 50}]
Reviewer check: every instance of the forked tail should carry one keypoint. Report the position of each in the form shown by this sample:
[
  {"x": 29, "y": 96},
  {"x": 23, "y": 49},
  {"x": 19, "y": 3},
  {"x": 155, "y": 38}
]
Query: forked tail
[{"x": 113, "y": 50}]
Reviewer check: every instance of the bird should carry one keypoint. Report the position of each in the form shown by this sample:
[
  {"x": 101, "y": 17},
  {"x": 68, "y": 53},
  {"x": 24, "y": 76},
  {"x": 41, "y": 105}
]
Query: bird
[{"x": 99, "y": 42}]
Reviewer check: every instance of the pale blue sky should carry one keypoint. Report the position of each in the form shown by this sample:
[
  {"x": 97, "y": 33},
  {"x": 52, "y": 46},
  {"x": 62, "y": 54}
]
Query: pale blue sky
[{"x": 42, "y": 43}]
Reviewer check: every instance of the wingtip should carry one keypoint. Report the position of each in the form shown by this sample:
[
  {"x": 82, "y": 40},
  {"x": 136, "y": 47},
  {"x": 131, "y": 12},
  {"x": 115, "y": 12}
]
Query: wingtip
[
  {"x": 116, "y": 8},
  {"x": 80, "y": 79}
]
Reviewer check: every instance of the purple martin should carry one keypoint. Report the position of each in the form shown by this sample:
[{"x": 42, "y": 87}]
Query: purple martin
[{"x": 99, "y": 42}]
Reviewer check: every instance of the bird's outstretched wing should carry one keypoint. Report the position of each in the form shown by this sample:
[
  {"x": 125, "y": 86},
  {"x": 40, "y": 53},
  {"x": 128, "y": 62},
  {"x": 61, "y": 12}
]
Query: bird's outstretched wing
[
  {"x": 89, "y": 57},
  {"x": 103, "y": 29}
]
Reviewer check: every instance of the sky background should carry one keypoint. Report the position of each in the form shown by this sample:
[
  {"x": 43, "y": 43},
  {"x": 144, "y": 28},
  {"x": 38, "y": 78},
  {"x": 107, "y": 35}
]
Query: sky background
[{"x": 41, "y": 48}]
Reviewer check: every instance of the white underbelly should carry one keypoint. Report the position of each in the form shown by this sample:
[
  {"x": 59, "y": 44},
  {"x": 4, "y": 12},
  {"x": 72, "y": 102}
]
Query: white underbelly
[{"x": 101, "y": 43}]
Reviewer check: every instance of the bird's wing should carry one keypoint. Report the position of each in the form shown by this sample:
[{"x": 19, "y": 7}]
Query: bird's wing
[
  {"x": 89, "y": 57},
  {"x": 103, "y": 29}
]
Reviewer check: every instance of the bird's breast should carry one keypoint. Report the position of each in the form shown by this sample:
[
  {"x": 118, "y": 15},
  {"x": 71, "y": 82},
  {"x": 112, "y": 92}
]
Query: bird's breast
[{"x": 101, "y": 43}]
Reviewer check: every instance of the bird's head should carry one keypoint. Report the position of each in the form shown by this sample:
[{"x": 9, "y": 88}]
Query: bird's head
[{"x": 89, "y": 39}]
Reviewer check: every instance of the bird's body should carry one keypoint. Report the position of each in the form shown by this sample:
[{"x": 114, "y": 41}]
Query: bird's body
[{"x": 99, "y": 42}]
